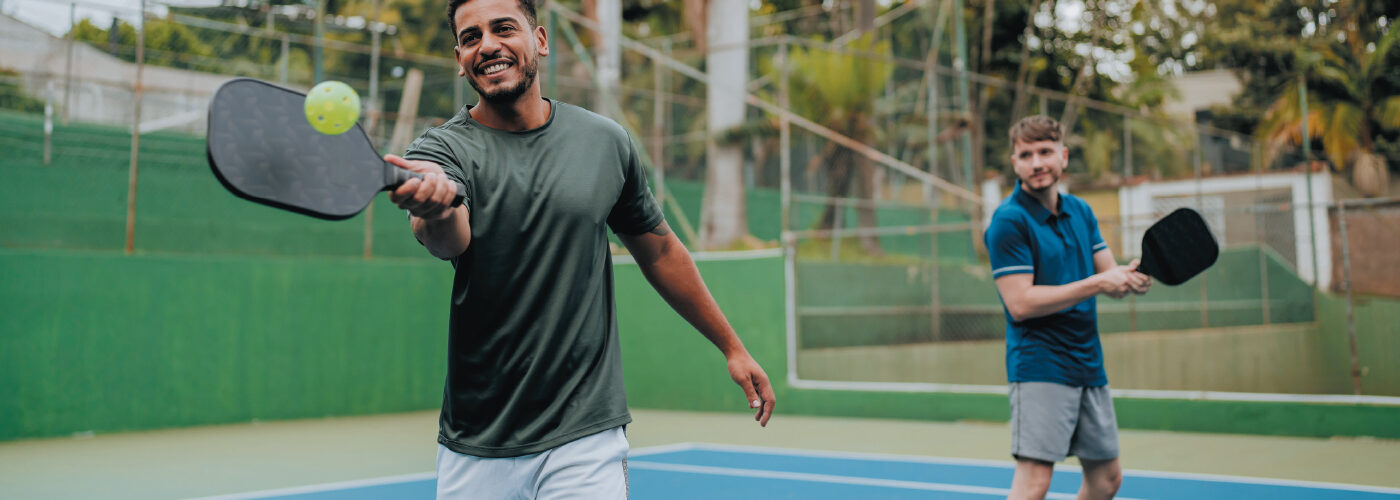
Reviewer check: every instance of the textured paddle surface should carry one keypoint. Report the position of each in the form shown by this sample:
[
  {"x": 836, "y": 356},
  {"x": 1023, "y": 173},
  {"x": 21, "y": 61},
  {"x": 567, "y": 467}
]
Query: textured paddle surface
[
  {"x": 262, "y": 149},
  {"x": 1178, "y": 247}
]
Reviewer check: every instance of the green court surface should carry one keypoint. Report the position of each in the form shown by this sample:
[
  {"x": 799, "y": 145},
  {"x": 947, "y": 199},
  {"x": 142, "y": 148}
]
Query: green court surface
[{"x": 226, "y": 459}]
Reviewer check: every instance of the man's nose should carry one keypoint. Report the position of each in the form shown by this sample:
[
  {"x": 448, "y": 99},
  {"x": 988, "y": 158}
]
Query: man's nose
[{"x": 490, "y": 45}]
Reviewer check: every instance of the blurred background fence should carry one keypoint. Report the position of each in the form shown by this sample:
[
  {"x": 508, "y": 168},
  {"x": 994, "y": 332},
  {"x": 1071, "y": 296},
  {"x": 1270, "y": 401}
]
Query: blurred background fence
[{"x": 872, "y": 162}]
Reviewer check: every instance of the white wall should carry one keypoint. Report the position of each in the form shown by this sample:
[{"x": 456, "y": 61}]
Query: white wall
[
  {"x": 102, "y": 84},
  {"x": 1138, "y": 212}
]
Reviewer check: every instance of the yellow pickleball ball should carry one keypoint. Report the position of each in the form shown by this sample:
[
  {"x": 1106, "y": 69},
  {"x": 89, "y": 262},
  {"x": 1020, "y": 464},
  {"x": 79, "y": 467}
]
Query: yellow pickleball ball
[{"x": 332, "y": 107}]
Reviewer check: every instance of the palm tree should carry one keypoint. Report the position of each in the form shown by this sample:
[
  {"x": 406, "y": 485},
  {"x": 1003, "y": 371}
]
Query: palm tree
[
  {"x": 1345, "y": 83},
  {"x": 839, "y": 91}
]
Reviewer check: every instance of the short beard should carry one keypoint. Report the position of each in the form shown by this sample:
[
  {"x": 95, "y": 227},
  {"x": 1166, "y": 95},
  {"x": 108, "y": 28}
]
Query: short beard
[
  {"x": 1055, "y": 179},
  {"x": 512, "y": 93}
]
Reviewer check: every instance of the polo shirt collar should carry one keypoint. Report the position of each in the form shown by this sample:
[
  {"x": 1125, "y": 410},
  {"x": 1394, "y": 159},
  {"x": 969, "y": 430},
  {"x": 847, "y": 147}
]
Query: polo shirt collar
[{"x": 1034, "y": 207}]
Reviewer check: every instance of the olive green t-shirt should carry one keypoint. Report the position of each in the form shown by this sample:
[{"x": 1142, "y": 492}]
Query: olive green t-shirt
[{"x": 533, "y": 354}]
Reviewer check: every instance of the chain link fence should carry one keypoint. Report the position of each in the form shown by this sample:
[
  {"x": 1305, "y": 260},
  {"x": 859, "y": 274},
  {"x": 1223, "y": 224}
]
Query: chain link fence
[{"x": 871, "y": 164}]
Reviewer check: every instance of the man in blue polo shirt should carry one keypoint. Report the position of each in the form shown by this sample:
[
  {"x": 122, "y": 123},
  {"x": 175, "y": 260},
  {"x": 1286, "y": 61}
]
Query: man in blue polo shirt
[{"x": 1049, "y": 262}]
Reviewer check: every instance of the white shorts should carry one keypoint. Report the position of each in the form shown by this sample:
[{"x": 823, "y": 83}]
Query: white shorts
[{"x": 590, "y": 467}]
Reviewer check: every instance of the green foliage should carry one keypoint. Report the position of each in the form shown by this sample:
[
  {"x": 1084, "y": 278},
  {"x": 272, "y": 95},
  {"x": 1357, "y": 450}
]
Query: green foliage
[
  {"x": 168, "y": 43},
  {"x": 839, "y": 90},
  {"x": 1340, "y": 48},
  {"x": 1349, "y": 90},
  {"x": 12, "y": 97}
]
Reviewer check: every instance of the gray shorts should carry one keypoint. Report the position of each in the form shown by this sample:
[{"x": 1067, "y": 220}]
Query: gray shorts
[
  {"x": 593, "y": 467},
  {"x": 1050, "y": 421}
]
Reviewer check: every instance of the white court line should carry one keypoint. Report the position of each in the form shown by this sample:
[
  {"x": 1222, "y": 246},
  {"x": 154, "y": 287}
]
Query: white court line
[
  {"x": 731, "y": 448},
  {"x": 1192, "y": 476},
  {"x": 317, "y": 488},
  {"x": 665, "y": 448},
  {"x": 1259, "y": 397},
  {"x": 826, "y": 478},
  {"x": 1261, "y": 480}
]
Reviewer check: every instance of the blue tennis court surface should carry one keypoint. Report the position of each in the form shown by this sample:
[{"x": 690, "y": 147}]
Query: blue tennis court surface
[{"x": 703, "y": 471}]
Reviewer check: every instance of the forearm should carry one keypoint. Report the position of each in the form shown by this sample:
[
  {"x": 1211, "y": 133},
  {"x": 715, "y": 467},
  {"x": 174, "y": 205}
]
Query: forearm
[
  {"x": 1044, "y": 300},
  {"x": 444, "y": 238},
  {"x": 674, "y": 276}
]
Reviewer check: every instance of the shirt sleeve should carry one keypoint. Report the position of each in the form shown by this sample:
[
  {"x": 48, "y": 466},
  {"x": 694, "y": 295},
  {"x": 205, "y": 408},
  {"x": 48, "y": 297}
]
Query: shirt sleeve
[
  {"x": 1096, "y": 241},
  {"x": 636, "y": 210},
  {"x": 431, "y": 147},
  {"x": 1009, "y": 248}
]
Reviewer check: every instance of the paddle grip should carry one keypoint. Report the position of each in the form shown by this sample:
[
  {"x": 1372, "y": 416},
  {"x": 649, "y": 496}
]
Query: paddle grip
[{"x": 403, "y": 175}]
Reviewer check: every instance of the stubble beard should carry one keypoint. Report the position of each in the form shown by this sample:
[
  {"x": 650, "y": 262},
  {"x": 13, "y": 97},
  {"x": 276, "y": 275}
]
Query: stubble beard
[
  {"x": 512, "y": 93},
  {"x": 1054, "y": 179}
]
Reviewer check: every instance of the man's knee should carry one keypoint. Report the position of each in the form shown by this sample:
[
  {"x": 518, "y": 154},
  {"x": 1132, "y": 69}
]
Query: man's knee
[
  {"x": 1032, "y": 478},
  {"x": 1109, "y": 483},
  {"x": 1103, "y": 478}
]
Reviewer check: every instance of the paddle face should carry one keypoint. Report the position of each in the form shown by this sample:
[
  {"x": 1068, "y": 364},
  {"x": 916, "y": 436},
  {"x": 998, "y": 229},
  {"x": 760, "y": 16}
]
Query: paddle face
[
  {"x": 262, "y": 149},
  {"x": 1178, "y": 247}
]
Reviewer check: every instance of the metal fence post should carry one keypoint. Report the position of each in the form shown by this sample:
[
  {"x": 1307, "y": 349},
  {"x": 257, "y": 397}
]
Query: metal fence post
[
  {"x": 135, "y": 135},
  {"x": 1346, "y": 284}
]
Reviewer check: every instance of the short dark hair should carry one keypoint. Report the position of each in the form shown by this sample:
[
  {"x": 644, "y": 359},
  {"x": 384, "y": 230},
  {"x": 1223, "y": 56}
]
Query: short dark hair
[
  {"x": 1035, "y": 128},
  {"x": 526, "y": 6}
]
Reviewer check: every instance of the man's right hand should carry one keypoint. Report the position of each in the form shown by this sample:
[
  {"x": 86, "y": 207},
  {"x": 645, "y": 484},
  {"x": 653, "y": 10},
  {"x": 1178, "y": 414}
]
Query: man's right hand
[
  {"x": 427, "y": 198},
  {"x": 1119, "y": 281}
]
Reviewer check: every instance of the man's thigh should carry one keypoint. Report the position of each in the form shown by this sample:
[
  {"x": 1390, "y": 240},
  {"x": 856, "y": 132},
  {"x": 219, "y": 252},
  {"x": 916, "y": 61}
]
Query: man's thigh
[
  {"x": 593, "y": 466},
  {"x": 587, "y": 468},
  {"x": 1043, "y": 420},
  {"x": 1096, "y": 436}
]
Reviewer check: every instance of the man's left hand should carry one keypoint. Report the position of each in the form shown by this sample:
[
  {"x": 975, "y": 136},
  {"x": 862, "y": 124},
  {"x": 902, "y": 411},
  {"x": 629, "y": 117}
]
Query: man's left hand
[{"x": 758, "y": 391}]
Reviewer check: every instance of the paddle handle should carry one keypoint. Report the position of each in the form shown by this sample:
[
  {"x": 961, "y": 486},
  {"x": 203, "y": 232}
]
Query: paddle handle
[{"x": 403, "y": 175}]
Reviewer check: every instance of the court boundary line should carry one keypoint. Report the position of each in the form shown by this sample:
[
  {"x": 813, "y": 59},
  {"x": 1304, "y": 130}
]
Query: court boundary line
[
  {"x": 827, "y": 478},
  {"x": 663, "y": 448},
  {"x": 833, "y": 479},
  {"x": 1192, "y": 476},
  {"x": 924, "y": 387},
  {"x": 322, "y": 487}
]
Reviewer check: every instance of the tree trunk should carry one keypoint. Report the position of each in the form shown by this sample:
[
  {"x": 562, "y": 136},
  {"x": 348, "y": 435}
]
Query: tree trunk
[
  {"x": 852, "y": 175},
  {"x": 1369, "y": 175},
  {"x": 979, "y": 112},
  {"x": 1018, "y": 109},
  {"x": 723, "y": 219},
  {"x": 695, "y": 12},
  {"x": 839, "y": 174},
  {"x": 1082, "y": 80},
  {"x": 865, "y": 15},
  {"x": 865, "y": 214}
]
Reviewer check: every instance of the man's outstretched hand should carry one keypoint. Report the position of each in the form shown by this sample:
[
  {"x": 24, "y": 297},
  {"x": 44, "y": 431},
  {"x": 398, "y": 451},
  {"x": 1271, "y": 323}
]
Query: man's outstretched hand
[
  {"x": 758, "y": 391},
  {"x": 427, "y": 198}
]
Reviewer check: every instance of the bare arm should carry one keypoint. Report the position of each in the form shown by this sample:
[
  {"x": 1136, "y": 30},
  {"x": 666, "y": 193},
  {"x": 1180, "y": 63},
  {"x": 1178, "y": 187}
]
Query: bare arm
[
  {"x": 1026, "y": 300},
  {"x": 447, "y": 237},
  {"x": 669, "y": 268},
  {"x": 1103, "y": 260},
  {"x": 443, "y": 229}
]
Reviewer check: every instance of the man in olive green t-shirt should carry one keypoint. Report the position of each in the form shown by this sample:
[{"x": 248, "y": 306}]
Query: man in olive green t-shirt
[{"x": 534, "y": 367}]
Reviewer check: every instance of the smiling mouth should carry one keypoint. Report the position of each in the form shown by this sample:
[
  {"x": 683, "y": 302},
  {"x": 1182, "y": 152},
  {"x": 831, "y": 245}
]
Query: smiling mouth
[{"x": 494, "y": 68}]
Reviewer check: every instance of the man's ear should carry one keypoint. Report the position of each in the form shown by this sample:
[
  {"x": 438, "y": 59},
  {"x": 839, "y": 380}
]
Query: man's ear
[
  {"x": 542, "y": 38},
  {"x": 457, "y": 56}
]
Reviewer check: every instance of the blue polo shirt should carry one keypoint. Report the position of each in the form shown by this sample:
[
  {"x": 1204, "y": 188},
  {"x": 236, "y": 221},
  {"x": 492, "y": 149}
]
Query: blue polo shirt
[{"x": 1024, "y": 237}]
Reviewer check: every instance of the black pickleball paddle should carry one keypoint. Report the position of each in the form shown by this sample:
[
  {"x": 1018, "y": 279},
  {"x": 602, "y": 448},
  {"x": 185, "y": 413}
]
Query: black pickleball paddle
[
  {"x": 262, "y": 149},
  {"x": 1178, "y": 247}
]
